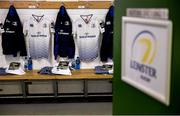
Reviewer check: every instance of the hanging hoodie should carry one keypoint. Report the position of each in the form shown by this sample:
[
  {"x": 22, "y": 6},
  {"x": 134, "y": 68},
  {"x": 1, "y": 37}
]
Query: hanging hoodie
[
  {"x": 63, "y": 39},
  {"x": 107, "y": 41},
  {"x": 12, "y": 37}
]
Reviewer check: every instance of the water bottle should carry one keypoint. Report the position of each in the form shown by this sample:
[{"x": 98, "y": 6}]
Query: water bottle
[
  {"x": 30, "y": 64},
  {"x": 25, "y": 63},
  {"x": 78, "y": 63},
  {"x": 73, "y": 64}
]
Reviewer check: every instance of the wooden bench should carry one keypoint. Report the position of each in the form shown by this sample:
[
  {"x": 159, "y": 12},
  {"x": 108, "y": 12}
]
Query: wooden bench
[{"x": 82, "y": 83}]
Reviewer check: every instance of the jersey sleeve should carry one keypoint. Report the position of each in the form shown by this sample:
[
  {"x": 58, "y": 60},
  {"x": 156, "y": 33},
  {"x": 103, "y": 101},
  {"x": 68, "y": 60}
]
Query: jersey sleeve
[
  {"x": 21, "y": 41},
  {"x": 74, "y": 31},
  {"x": 1, "y": 28},
  {"x": 52, "y": 27},
  {"x": 25, "y": 28},
  {"x": 100, "y": 25}
]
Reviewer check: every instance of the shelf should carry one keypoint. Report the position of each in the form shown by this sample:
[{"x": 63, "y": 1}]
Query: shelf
[
  {"x": 56, "y": 5},
  {"x": 76, "y": 74}
]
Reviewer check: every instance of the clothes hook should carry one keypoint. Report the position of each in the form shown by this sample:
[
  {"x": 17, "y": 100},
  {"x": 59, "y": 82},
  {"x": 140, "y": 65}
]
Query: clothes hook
[
  {"x": 37, "y": 4},
  {"x": 112, "y": 2},
  {"x": 87, "y": 4},
  {"x": 62, "y": 3},
  {"x": 11, "y": 2}
]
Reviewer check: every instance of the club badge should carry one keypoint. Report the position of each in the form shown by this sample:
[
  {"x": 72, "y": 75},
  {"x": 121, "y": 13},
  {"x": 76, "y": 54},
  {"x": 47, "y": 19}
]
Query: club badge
[
  {"x": 14, "y": 23},
  {"x": 67, "y": 23}
]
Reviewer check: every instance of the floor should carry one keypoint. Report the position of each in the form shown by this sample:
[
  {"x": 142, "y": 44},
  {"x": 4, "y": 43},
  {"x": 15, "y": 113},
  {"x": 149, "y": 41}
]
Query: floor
[{"x": 100, "y": 108}]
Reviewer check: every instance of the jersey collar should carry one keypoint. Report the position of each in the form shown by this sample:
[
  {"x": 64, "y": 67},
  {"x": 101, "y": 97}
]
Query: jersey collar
[
  {"x": 37, "y": 18},
  {"x": 86, "y": 18}
]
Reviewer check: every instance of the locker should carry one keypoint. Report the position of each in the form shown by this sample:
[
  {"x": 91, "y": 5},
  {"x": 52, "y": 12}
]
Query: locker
[
  {"x": 40, "y": 87},
  {"x": 101, "y": 86},
  {"x": 70, "y": 86},
  {"x": 10, "y": 88}
]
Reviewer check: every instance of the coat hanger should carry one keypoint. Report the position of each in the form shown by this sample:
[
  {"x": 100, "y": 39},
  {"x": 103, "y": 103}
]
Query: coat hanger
[{"x": 87, "y": 4}]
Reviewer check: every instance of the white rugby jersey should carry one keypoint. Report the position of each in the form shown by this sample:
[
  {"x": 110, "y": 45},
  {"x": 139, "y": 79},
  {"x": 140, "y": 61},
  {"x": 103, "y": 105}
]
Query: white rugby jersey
[
  {"x": 87, "y": 38},
  {"x": 38, "y": 37}
]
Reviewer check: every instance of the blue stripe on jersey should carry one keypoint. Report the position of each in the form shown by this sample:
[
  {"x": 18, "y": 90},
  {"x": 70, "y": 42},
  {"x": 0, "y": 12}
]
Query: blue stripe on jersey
[
  {"x": 56, "y": 45},
  {"x": 11, "y": 11}
]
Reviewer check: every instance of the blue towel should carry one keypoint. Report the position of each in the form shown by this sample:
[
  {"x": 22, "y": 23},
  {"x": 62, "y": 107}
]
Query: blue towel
[
  {"x": 3, "y": 71},
  {"x": 46, "y": 70},
  {"x": 101, "y": 70}
]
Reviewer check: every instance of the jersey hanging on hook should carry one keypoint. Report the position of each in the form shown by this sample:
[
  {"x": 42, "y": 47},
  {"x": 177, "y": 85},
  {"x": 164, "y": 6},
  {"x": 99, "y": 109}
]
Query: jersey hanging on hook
[
  {"x": 12, "y": 37},
  {"x": 107, "y": 41},
  {"x": 63, "y": 39},
  {"x": 37, "y": 31}
]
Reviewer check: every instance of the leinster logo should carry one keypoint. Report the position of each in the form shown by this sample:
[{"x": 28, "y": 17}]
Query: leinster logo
[
  {"x": 67, "y": 23},
  {"x": 144, "y": 47},
  {"x": 143, "y": 53},
  {"x": 14, "y": 23}
]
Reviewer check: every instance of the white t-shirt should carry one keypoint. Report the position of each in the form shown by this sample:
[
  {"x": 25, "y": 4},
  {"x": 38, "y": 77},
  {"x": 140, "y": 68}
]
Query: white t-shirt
[
  {"x": 38, "y": 37},
  {"x": 87, "y": 41}
]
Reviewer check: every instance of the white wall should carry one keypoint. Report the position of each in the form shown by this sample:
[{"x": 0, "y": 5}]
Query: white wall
[{"x": 51, "y": 14}]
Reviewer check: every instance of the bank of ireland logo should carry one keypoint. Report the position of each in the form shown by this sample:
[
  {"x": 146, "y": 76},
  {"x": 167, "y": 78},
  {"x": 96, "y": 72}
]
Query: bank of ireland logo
[{"x": 144, "y": 47}]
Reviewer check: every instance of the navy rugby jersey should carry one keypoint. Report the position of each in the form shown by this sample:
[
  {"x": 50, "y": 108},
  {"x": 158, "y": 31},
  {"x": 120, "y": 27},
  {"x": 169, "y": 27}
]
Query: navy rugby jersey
[
  {"x": 63, "y": 39},
  {"x": 107, "y": 41},
  {"x": 12, "y": 37}
]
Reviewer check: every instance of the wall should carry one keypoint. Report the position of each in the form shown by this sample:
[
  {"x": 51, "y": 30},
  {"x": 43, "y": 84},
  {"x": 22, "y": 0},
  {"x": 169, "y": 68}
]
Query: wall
[
  {"x": 127, "y": 99},
  {"x": 51, "y": 14}
]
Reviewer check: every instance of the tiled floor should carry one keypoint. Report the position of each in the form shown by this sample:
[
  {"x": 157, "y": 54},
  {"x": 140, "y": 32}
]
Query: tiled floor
[{"x": 100, "y": 108}]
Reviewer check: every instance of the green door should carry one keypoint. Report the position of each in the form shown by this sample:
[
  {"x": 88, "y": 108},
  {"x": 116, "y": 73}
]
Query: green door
[{"x": 127, "y": 99}]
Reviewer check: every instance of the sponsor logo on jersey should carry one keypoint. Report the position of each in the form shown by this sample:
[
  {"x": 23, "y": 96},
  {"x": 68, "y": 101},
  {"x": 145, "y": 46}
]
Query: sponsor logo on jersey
[
  {"x": 87, "y": 36},
  {"x": 38, "y": 35},
  {"x": 8, "y": 30},
  {"x": 144, "y": 50}
]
